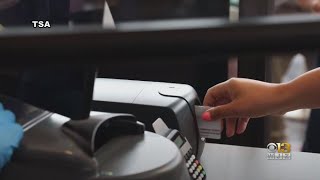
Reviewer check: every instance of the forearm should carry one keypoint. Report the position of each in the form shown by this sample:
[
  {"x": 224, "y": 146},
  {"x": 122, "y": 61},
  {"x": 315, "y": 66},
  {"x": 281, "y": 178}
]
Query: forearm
[{"x": 302, "y": 92}]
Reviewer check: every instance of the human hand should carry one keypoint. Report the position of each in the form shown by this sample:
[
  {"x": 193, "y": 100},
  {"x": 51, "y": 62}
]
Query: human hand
[
  {"x": 10, "y": 135},
  {"x": 237, "y": 100},
  {"x": 310, "y": 5}
]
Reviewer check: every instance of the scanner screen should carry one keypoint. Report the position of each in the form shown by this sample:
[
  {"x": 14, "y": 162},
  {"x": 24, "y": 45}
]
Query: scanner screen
[{"x": 178, "y": 141}]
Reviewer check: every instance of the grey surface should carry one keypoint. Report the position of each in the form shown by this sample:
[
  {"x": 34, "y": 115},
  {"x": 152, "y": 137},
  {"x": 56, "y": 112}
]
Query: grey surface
[
  {"x": 141, "y": 157},
  {"x": 225, "y": 162}
]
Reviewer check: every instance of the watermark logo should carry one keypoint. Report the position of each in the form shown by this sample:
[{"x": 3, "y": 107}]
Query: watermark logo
[
  {"x": 279, "y": 151},
  {"x": 41, "y": 24}
]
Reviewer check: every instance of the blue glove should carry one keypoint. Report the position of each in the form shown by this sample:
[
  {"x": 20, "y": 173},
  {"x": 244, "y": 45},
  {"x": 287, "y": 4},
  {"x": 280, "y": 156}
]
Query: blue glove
[{"x": 11, "y": 134}]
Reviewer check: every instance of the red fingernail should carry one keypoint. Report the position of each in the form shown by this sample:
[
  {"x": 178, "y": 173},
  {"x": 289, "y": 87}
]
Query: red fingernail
[{"x": 206, "y": 116}]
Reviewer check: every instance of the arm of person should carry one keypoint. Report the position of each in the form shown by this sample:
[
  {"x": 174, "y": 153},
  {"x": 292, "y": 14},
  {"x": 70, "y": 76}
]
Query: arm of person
[
  {"x": 303, "y": 92},
  {"x": 237, "y": 100}
]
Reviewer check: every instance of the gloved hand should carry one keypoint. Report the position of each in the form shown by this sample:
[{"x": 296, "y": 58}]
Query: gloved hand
[{"x": 11, "y": 134}]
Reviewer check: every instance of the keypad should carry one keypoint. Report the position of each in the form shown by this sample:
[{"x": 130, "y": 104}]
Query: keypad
[{"x": 194, "y": 167}]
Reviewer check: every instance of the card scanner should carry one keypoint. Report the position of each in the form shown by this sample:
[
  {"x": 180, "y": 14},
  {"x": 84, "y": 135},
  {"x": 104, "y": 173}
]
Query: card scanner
[{"x": 173, "y": 103}]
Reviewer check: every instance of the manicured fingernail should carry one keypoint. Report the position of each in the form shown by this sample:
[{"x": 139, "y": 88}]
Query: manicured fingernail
[{"x": 206, "y": 116}]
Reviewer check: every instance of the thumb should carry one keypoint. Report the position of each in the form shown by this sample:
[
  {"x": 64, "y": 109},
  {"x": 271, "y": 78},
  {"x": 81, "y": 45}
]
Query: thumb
[{"x": 229, "y": 110}]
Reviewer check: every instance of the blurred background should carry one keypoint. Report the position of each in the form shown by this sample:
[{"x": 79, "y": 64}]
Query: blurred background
[{"x": 298, "y": 127}]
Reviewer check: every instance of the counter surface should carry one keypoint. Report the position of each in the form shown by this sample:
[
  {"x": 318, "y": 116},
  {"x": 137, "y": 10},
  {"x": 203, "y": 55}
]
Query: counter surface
[{"x": 226, "y": 162}]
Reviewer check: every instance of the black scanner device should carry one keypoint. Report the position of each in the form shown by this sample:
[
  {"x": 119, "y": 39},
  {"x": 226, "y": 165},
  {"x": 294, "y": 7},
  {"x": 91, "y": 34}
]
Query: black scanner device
[{"x": 173, "y": 103}]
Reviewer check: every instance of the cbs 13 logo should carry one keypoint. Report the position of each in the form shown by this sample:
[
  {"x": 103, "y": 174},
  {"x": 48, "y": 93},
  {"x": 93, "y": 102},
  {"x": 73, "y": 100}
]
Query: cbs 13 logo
[{"x": 279, "y": 148}]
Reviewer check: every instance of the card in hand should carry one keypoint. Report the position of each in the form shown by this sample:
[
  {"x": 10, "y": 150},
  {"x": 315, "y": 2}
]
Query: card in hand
[{"x": 208, "y": 129}]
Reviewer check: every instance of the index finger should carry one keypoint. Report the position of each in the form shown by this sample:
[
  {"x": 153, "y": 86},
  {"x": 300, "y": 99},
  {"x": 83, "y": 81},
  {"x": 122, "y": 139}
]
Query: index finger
[{"x": 214, "y": 94}]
